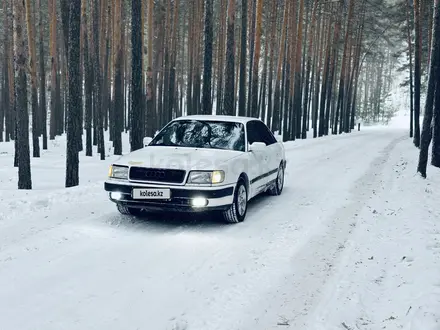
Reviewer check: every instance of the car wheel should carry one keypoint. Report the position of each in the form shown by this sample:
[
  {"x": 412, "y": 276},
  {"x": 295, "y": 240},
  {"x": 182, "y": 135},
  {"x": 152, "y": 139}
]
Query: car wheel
[
  {"x": 128, "y": 210},
  {"x": 279, "y": 182},
  {"x": 237, "y": 212}
]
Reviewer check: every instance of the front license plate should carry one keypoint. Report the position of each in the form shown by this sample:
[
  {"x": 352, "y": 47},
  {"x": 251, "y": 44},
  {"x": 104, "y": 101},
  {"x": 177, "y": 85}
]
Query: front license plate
[{"x": 151, "y": 193}]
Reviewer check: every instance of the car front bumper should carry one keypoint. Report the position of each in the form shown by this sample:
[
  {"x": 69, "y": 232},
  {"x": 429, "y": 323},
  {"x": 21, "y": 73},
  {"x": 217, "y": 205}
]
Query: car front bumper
[{"x": 217, "y": 198}]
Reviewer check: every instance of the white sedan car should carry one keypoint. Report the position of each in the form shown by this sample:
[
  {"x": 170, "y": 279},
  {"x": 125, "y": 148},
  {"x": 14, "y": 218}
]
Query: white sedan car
[{"x": 200, "y": 163}]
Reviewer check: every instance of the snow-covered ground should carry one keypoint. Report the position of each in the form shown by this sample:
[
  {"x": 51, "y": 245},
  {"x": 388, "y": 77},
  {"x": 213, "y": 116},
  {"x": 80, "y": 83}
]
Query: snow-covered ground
[{"x": 352, "y": 243}]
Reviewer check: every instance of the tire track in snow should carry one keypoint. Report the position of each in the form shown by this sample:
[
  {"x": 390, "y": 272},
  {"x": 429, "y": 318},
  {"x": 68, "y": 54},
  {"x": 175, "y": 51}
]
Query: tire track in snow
[
  {"x": 197, "y": 275},
  {"x": 385, "y": 290},
  {"x": 284, "y": 234},
  {"x": 302, "y": 292}
]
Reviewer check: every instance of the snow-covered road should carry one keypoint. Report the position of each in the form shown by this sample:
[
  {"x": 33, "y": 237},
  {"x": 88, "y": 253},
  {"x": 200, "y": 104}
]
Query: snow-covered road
[{"x": 68, "y": 260}]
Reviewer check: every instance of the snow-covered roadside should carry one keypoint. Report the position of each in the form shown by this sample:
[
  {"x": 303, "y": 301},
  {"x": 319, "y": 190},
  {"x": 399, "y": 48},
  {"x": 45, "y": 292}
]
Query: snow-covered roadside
[
  {"x": 299, "y": 261},
  {"x": 389, "y": 275},
  {"x": 48, "y": 171}
]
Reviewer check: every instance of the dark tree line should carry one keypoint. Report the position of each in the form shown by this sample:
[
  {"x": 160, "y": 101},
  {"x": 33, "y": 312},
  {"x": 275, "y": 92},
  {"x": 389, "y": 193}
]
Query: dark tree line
[
  {"x": 103, "y": 67},
  {"x": 431, "y": 120}
]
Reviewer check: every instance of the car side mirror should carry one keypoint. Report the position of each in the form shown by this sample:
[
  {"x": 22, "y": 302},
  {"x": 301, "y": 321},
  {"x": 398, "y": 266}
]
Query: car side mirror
[
  {"x": 279, "y": 138},
  {"x": 257, "y": 146},
  {"x": 147, "y": 141}
]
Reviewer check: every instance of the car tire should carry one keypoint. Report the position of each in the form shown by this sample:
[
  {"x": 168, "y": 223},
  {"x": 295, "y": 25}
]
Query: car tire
[
  {"x": 125, "y": 210},
  {"x": 237, "y": 212},
  {"x": 277, "y": 188}
]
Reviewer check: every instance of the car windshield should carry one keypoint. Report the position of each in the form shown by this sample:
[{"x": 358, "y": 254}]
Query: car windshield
[{"x": 202, "y": 134}]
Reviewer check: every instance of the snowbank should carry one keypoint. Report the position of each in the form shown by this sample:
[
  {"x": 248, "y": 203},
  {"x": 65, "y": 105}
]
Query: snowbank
[
  {"x": 390, "y": 274},
  {"x": 352, "y": 243}
]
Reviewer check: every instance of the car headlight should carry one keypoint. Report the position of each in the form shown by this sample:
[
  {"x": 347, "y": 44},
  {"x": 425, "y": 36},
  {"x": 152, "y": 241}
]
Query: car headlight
[
  {"x": 118, "y": 172},
  {"x": 206, "y": 177}
]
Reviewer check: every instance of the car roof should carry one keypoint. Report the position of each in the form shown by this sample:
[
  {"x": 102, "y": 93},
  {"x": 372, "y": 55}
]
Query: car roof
[{"x": 233, "y": 119}]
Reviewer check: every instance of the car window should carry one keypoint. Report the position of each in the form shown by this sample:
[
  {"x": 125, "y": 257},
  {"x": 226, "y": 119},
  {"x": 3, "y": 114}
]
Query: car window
[
  {"x": 252, "y": 133},
  {"x": 265, "y": 133},
  {"x": 202, "y": 134},
  {"x": 258, "y": 132}
]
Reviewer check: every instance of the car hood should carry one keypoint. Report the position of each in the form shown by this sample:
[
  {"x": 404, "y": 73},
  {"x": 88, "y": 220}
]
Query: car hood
[{"x": 178, "y": 158}]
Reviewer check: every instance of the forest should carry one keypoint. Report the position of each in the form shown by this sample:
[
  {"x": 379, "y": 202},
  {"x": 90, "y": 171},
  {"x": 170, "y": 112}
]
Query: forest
[{"x": 85, "y": 67}]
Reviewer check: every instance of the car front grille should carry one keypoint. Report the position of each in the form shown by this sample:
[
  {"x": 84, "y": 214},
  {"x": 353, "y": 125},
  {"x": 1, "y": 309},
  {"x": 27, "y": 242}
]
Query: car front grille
[{"x": 156, "y": 175}]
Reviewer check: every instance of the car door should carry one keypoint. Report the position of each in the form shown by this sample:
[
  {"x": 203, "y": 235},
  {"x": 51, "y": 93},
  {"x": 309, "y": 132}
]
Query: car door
[
  {"x": 258, "y": 159},
  {"x": 273, "y": 151}
]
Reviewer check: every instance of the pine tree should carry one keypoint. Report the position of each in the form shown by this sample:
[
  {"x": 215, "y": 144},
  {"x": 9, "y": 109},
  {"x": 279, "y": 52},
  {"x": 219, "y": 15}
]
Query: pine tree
[
  {"x": 229, "y": 98},
  {"x": 136, "y": 76},
  {"x": 33, "y": 76},
  {"x": 417, "y": 72},
  {"x": 118, "y": 82},
  {"x": 22, "y": 141},
  {"x": 74, "y": 95},
  {"x": 435, "y": 161},
  {"x": 242, "y": 83},
  {"x": 207, "y": 62}
]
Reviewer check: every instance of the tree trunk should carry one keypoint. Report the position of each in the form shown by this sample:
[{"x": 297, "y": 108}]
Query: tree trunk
[
  {"x": 252, "y": 20},
  {"x": 136, "y": 78},
  {"x": 342, "y": 79},
  {"x": 62, "y": 88},
  {"x": 317, "y": 74},
  {"x": 118, "y": 79},
  {"x": 74, "y": 107},
  {"x": 150, "y": 104},
  {"x": 298, "y": 85},
  {"x": 417, "y": 72},
  {"x": 2, "y": 106},
  {"x": 199, "y": 58},
  {"x": 190, "y": 58},
  {"x": 166, "y": 65},
  {"x": 262, "y": 105},
  {"x": 54, "y": 68},
  {"x": 271, "y": 65},
  {"x": 276, "y": 122},
  {"x": 220, "y": 58},
  {"x": 229, "y": 105},
  {"x": 290, "y": 116},
  {"x": 12, "y": 127},
  {"x": 433, "y": 80},
  {"x": 308, "y": 69},
  {"x": 23, "y": 152},
  {"x": 88, "y": 77},
  {"x": 4, "y": 82},
  {"x": 207, "y": 61},
  {"x": 329, "y": 115},
  {"x": 285, "y": 93},
  {"x": 101, "y": 77},
  {"x": 411, "y": 89},
  {"x": 435, "y": 161},
  {"x": 256, "y": 61},
  {"x": 42, "y": 74},
  {"x": 172, "y": 70},
  {"x": 97, "y": 86},
  {"x": 83, "y": 33},
  {"x": 4, "y": 95},
  {"x": 323, "y": 115},
  {"x": 33, "y": 76},
  {"x": 64, "y": 6},
  {"x": 59, "y": 94},
  {"x": 5, "y": 99},
  {"x": 243, "y": 44},
  {"x": 88, "y": 81}
]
